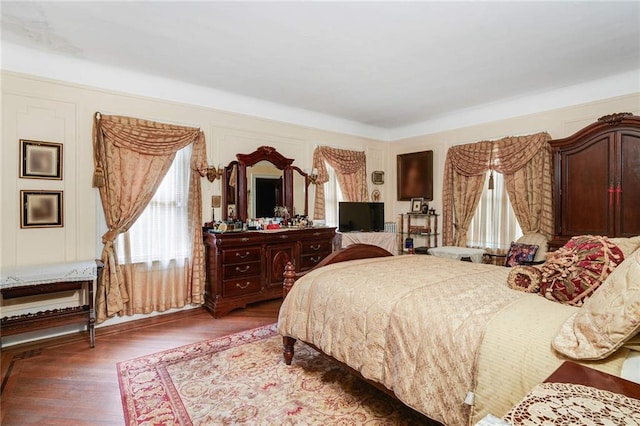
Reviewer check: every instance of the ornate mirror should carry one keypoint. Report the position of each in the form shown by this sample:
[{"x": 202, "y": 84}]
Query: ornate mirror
[{"x": 258, "y": 182}]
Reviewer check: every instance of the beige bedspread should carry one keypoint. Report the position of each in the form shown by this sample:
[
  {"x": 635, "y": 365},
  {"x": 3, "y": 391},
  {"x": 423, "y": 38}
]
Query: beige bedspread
[
  {"x": 431, "y": 330},
  {"x": 516, "y": 354},
  {"x": 417, "y": 334}
]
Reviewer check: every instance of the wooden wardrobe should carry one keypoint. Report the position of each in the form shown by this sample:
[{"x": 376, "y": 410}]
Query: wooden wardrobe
[{"x": 597, "y": 180}]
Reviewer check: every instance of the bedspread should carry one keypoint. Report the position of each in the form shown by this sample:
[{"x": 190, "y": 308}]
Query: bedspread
[{"x": 417, "y": 334}]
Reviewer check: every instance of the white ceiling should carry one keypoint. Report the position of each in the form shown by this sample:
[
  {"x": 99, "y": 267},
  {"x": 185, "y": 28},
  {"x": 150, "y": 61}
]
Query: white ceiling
[{"x": 386, "y": 64}]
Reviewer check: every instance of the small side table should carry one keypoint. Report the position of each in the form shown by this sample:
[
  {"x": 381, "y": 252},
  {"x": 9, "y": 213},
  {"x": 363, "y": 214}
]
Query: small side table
[
  {"x": 21, "y": 281},
  {"x": 570, "y": 372},
  {"x": 460, "y": 253}
]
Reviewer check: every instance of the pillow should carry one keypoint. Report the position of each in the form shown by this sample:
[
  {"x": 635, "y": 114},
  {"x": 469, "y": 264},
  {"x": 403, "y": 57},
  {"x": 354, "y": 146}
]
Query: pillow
[
  {"x": 574, "y": 271},
  {"x": 525, "y": 278},
  {"x": 537, "y": 239},
  {"x": 627, "y": 245},
  {"x": 608, "y": 319},
  {"x": 519, "y": 253}
]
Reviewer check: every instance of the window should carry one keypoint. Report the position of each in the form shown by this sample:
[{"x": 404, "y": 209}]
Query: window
[
  {"x": 333, "y": 196},
  {"x": 494, "y": 225},
  {"x": 161, "y": 232}
]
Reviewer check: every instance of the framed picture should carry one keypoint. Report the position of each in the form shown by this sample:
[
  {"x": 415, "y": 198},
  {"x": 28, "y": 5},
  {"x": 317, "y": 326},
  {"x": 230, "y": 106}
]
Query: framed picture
[
  {"x": 416, "y": 205},
  {"x": 377, "y": 177},
  {"x": 40, "y": 160},
  {"x": 415, "y": 176},
  {"x": 41, "y": 209}
]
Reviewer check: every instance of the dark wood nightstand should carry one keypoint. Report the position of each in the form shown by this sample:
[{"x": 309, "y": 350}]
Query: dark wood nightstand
[{"x": 570, "y": 372}]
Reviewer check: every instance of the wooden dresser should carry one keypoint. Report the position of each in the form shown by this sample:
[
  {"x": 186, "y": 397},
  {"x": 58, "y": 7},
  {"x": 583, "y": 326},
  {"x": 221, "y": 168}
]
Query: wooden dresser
[
  {"x": 248, "y": 267},
  {"x": 596, "y": 175}
]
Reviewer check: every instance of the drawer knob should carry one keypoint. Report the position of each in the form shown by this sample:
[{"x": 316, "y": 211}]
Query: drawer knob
[
  {"x": 316, "y": 247},
  {"x": 315, "y": 259},
  {"x": 243, "y": 286},
  {"x": 284, "y": 237},
  {"x": 243, "y": 269},
  {"x": 244, "y": 239},
  {"x": 242, "y": 256}
]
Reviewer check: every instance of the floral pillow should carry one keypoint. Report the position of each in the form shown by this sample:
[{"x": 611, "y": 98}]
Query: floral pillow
[
  {"x": 525, "y": 278},
  {"x": 520, "y": 253},
  {"x": 573, "y": 272}
]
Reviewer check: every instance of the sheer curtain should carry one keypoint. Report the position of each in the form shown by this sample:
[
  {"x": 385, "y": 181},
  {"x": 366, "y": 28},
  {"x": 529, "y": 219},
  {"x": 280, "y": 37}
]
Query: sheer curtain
[
  {"x": 494, "y": 225},
  {"x": 161, "y": 232},
  {"x": 333, "y": 196},
  {"x": 155, "y": 253}
]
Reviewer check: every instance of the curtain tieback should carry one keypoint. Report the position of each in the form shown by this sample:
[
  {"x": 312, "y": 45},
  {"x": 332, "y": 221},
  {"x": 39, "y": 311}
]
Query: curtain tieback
[
  {"x": 109, "y": 236},
  {"x": 98, "y": 177}
]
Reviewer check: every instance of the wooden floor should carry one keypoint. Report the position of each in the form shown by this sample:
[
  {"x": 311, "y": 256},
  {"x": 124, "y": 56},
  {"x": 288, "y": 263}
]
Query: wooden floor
[{"x": 63, "y": 382}]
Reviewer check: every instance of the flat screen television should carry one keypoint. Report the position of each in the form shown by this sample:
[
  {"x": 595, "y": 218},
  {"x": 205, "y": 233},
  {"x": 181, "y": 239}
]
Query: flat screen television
[{"x": 360, "y": 217}]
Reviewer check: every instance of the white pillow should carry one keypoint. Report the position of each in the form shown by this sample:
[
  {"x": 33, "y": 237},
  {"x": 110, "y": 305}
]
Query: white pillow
[{"x": 627, "y": 245}]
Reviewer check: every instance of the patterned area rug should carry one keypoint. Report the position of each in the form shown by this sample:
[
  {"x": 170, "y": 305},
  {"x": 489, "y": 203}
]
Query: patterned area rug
[{"x": 242, "y": 379}]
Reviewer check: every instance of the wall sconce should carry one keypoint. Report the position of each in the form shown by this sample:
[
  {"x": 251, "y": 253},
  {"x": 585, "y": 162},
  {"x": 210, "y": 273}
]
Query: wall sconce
[
  {"x": 313, "y": 176},
  {"x": 214, "y": 173}
]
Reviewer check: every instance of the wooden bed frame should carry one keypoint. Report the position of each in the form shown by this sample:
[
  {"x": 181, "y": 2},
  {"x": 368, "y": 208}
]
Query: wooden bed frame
[{"x": 352, "y": 252}]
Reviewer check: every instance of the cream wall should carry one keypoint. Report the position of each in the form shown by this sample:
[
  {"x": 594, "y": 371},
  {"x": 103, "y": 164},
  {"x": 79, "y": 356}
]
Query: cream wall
[{"x": 559, "y": 123}]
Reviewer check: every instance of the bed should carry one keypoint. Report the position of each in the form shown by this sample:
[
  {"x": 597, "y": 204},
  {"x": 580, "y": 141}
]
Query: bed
[
  {"x": 453, "y": 340},
  {"x": 455, "y": 345}
]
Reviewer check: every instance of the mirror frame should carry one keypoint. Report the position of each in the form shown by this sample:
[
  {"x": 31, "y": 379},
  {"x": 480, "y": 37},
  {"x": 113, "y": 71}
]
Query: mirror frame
[{"x": 263, "y": 153}]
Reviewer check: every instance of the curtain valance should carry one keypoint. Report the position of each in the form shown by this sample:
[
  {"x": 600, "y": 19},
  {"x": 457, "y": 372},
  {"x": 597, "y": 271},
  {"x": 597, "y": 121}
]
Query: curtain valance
[
  {"x": 525, "y": 162},
  {"x": 351, "y": 172}
]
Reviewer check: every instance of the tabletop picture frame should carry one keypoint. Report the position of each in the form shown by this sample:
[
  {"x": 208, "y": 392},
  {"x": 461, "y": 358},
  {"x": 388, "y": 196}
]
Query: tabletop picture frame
[
  {"x": 41, "y": 209},
  {"x": 40, "y": 160},
  {"x": 416, "y": 205}
]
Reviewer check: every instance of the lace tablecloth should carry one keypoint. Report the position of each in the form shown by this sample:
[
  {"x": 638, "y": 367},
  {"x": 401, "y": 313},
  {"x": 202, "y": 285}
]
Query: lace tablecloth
[
  {"x": 386, "y": 240},
  {"x": 17, "y": 276},
  {"x": 571, "y": 404},
  {"x": 452, "y": 252}
]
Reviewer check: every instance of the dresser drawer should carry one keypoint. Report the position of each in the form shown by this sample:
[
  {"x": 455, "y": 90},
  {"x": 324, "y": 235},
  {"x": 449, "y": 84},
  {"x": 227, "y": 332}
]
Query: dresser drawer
[
  {"x": 241, "y": 286},
  {"x": 241, "y": 255},
  {"x": 310, "y": 260},
  {"x": 315, "y": 247},
  {"x": 246, "y": 269}
]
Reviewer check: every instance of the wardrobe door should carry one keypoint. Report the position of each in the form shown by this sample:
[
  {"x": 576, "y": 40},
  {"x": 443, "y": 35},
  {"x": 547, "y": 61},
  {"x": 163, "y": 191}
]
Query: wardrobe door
[
  {"x": 627, "y": 201},
  {"x": 587, "y": 175}
]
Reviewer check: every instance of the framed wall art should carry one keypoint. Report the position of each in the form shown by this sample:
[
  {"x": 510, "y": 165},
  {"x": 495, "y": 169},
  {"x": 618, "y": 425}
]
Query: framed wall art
[
  {"x": 415, "y": 176},
  {"x": 40, "y": 160},
  {"x": 41, "y": 209},
  {"x": 377, "y": 177}
]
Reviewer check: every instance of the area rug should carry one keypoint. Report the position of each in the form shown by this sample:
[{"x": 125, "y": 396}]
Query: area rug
[{"x": 242, "y": 379}]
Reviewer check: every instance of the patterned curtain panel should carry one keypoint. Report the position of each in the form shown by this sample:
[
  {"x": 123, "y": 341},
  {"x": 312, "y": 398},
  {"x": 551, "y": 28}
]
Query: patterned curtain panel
[
  {"x": 525, "y": 161},
  {"x": 351, "y": 172},
  {"x": 131, "y": 156},
  {"x": 464, "y": 172}
]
